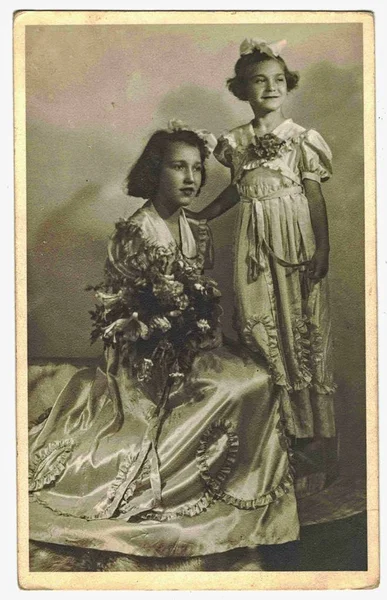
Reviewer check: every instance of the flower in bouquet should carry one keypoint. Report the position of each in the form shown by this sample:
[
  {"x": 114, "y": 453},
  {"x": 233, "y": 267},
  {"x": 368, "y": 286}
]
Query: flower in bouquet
[
  {"x": 132, "y": 329},
  {"x": 161, "y": 323},
  {"x": 203, "y": 325}
]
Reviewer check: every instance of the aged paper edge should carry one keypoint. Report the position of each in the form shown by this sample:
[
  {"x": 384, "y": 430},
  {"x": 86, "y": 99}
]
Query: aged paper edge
[{"x": 193, "y": 580}]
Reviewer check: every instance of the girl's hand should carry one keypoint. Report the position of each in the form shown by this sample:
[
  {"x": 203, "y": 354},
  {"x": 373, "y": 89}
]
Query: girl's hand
[{"x": 319, "y": 265}]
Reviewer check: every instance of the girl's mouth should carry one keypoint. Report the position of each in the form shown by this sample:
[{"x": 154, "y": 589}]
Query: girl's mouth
[{"x": 188, "y": 191}]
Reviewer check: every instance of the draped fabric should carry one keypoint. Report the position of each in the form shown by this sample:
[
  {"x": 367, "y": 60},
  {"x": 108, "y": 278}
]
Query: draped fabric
[
  {"x": 280, "y": 314},
  {"x": 213, "y": 475}
]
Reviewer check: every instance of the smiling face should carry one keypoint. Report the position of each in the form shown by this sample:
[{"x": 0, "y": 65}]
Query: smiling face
[
  {"x": 180, "y": 175},
  {"x": 266, "y": 87}
]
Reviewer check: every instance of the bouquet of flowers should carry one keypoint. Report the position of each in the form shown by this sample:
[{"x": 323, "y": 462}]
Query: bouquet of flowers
[{"x": 159, "y": 311}]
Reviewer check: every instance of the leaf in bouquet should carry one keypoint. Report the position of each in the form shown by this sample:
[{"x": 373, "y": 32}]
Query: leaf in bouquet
[
  {"x": 188, "y": 353},
  {"x": 217, "y": 312}
]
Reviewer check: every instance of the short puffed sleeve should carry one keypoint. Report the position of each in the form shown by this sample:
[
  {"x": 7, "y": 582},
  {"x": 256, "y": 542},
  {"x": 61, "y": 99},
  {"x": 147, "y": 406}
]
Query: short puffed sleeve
[
  {"x": 124, "y": 243},
  {"x": 224, "y": 150},
  {"x": 315, "y": 157}
]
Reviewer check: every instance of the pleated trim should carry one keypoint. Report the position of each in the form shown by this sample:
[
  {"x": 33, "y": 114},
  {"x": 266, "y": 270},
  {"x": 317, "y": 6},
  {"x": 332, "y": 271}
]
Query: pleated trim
[{"x": 48, "y": 464}]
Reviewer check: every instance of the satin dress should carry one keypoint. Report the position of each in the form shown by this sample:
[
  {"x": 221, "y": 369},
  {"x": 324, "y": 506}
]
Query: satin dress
[
  {"x": 280, "y": 315},
  {"x": 216, "y": 477}
]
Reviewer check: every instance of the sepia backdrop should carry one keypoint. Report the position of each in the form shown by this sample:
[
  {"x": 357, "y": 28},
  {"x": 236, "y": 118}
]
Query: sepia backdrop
[{"x": 94, "y": 95}]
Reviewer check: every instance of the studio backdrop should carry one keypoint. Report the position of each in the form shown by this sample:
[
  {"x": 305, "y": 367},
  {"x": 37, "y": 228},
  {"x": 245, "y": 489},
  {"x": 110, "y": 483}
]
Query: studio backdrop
[{"x": 94, "y": 96}]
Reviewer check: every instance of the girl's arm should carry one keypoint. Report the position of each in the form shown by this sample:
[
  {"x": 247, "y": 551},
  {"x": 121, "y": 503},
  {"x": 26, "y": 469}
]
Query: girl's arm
[
  {"x": 226, "y": 200},
  {"x": 319, "y": 264}
]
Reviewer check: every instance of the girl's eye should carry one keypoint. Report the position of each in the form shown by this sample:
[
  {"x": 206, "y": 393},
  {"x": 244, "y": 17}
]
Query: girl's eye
[
  {"x": 178, "y": 167},
  {"x": 198, "y": 169}
]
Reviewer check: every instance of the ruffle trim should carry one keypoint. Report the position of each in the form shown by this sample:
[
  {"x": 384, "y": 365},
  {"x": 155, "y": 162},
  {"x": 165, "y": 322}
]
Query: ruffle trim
[
  {"x": 204, "y": 242},
  {"x": 280, "y": 490},
  {"x": 321, "y": 384},
  {"x": 308, "y": 348},
  {"x": 188, "y": 510},
  {"x": 214, "y": 484},
  {"x": 48, "y": 464},
  {"x": 269, "y": 347},
  {"x": 302, "y": 349},
  {"x": 103, "y": 508}
]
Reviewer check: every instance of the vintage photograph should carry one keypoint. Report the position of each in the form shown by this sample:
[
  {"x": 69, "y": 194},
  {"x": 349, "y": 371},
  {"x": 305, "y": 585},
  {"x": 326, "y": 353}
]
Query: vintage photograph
[{"x": 196, "y": 338}]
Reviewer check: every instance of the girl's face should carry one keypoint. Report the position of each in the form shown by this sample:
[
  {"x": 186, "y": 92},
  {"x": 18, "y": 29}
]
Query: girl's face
[
  {"x": 180, "y": 176},
  {"x": 266, "y": 87}
]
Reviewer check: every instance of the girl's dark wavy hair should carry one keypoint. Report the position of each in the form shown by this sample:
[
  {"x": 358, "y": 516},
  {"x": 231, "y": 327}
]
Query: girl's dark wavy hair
[
  {"x": 237, "y": 84},
  {"x": 144, "y": 177}
]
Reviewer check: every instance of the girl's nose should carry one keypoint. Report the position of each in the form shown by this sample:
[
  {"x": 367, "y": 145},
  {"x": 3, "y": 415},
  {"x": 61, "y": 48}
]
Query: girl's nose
[
  {"x": 188, "y": 177},
  {"x": 271, "y": 85}
]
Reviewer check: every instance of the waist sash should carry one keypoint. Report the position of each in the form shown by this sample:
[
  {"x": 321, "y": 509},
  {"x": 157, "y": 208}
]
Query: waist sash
[{"x": 257, "y": 242}]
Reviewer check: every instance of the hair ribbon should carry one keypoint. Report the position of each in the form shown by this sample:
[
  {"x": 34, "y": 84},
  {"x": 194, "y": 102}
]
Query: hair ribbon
[
  {"x": 208, "y": 138},
  {"x": 272, "y": 49}
]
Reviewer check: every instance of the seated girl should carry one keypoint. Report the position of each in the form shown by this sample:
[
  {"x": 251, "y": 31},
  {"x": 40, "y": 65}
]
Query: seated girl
[{"x": 177, "y": 448}]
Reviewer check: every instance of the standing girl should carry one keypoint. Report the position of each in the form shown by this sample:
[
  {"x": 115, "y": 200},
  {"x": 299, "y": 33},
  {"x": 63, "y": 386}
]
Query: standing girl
[{"x": 282, "y": 242}]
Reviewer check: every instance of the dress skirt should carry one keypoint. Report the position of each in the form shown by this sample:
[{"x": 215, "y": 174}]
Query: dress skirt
[{"x": 110, "y": 471}]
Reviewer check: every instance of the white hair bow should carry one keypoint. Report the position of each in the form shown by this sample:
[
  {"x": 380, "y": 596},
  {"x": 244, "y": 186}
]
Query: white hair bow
[
  {"x": 208, "y": 138},
  {"x": 273, "y": 49}
]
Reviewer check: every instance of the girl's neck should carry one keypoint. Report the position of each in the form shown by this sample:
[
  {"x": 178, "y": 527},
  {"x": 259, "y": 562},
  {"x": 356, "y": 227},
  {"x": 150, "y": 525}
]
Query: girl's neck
[
  {"x": 169, "y": 214},
  {"x": 266, "y": 123}
]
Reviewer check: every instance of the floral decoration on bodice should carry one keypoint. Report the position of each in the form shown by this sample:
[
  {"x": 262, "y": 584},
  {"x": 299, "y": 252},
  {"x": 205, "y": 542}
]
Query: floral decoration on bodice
[{"x": 267, "y": 147}]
